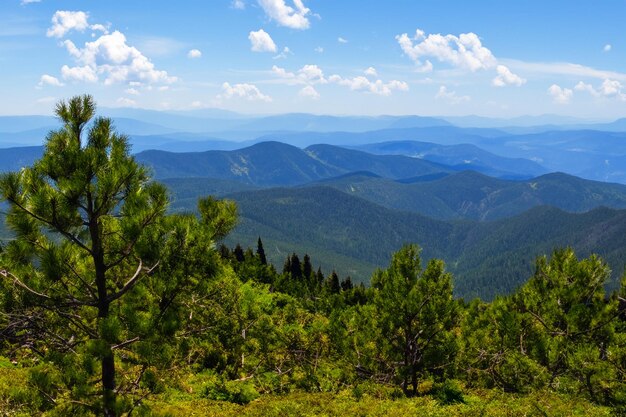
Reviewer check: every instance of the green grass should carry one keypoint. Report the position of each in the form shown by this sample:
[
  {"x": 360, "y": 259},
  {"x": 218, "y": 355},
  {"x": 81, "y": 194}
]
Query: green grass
[
  {"x": 477, "y": 403},
  {"x": 188, "y": 398}
]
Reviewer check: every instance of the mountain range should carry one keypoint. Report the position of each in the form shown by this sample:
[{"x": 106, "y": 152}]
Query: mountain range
[{"x": 487, "y": 196}]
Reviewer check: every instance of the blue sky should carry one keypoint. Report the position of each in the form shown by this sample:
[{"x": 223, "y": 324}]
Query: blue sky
[{"x": 490, "y": 58}]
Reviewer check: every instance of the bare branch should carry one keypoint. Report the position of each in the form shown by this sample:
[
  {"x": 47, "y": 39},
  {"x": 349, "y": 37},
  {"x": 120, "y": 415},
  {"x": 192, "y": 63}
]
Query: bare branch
[
  {"x": 16, "y": 280},
  {"x": 131, "y": 282},
  {"x": 126, "y": 343}
]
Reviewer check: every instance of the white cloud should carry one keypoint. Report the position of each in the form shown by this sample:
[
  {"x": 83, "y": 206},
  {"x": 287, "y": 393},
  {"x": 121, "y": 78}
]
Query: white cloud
[
  {"x": 612, "y": 88},
  {"x": 609, "y": 88},
  {"x": 308, "y": 74},
  {"x": 126, "y": 102},
  {"x": 581, "y": 86},
  {"x": 111, "y": 57},
  {"x": 247, "y": 91},
  {"x": 342, "y": 40},
  {"x": 607, "y": 47},
  {"x": 284, "y": 54},
  {"x": 238, "y": 4},
  {"x": 197, "y": 104},
  {"x": 506, "y": 77},
  {"x": 49, "y": 80},
  {"x": 450, "y": 96},
  {"x": 63, "y": 21},
  {"x": 98, "y": 27},
  {"x": 81, "y": 74},
  {"x": 24, "y": 2},
  {"x": 132, "y": 91},
  {"x": 464, "y": 51},
  {"x": 261, "y": 41},
  {"x": 312, "y": 74},
  {"x": 427, "y": 66},
  {"x": 282, "y": 73},
  {"x": 361, "y": 83},
  {"x": 560, "y": 95},
  {"x": 194, "y": 53},
  {"x": 309, "y": 92},
  {"x": 371, "y": 71},
  {"x": 292, "y": 17},
  {"x": 319, "y": 50}
]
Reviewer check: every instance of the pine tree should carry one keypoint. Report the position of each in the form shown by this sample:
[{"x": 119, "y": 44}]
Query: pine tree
[
  {"x": 78, "y": 215},
  {"x": 416, "y": 314},
  {"x": 287, "y": 266},
  {"x": 307, "y": 268},
  {"x": 346, "y": 284},
  {"x": 332, "y": 283},
  {"x": 319, "y": 276},
  {"x": 238, "y": 252},
  {"x": 99, "y": 278},
  {"x": 261, "y": 252},
  {"x": 296, "y": 267}
]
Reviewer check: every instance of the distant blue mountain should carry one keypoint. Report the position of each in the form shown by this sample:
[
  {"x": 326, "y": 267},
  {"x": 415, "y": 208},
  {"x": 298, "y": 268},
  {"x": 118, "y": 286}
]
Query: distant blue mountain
[
  {"x": 279, "y": 164},
  {"x": 465, "y": 156}
]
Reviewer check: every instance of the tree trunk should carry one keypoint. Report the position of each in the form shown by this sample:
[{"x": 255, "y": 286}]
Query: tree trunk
[
  {"x": 108, "y": 358},
  {"x": 108, "y": 366}
]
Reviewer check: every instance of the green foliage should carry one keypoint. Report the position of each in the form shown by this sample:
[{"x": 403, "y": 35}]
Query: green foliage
[
  {"x": 416, "y": 315},
  {"x": 97, "y": 274}
]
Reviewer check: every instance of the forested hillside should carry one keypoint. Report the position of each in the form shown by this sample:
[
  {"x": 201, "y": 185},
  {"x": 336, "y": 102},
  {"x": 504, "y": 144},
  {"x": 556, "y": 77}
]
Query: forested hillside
[{"x": 488, "y": 258}]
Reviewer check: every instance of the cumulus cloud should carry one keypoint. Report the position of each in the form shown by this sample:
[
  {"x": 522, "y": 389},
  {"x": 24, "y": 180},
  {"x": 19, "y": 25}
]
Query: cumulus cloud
[
  {"x": 371, "y": 71},
  {"x": 282, "y": 73},
  {"x": 309, "y": 92},
  {"x": 110, "y": 56},
  {"x": 194, "y": 53},
  {"x": 246, "y": 91},
  {"x": 64, "y": 21},
  {"x": 464, "y": 51},
  {"x": 450, "y": 96},
  {"x": 319, "y": 49},
  {"x": 310, "y": 75},
  {"x": 284, "y": 54},
  {"x": 81, "y": 74},
  {"x": 609, "y": 88},
  {"x": 49, "y": 80},
  {"x": 506, "y": 77},
  {"x": 261, "y": 41},
  {"x": 560, "y": 95},
  {"x": 342, "y": 40},
  {"x": 612, "y": 88},
  {"x": 607, "y": 47},
  {"x": 132, "y": 91},
  {"x": 581, "y": 86},
  {"x": 361, "y": 83},
  {"x": 292, "y": 17}
]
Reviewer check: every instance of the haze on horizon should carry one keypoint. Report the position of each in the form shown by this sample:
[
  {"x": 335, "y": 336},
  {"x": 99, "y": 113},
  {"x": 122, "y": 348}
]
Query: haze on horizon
[{"x": 317, "y": 56}]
